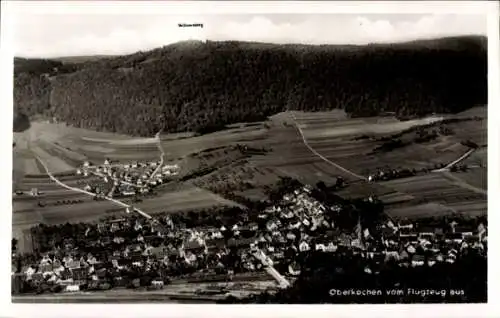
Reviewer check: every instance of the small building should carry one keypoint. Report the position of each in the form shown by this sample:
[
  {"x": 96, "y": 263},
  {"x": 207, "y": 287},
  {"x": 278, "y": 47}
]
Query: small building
[
  {"x": 464, "y": 231},
  {"x": 34, "y": 192},
  {"x": 405, "y": 224},
  {"x": 418, "y": 260},
  {"x": 107, "y": 161},
  {"x": 426, "y": 233},
  {"x": 86, "y": 164}
]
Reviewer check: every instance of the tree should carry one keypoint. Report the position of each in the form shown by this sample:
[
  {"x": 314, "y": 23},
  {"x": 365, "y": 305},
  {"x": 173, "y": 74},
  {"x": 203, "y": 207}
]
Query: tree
[{"x": 14, "y": 242}]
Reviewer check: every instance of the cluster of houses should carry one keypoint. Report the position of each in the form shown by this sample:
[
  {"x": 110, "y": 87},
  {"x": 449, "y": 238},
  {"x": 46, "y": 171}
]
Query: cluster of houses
[
  {"x": 128, "y": 179},
  {"x": 414, "y": 245},
  {"x": 406, "y": 242}
]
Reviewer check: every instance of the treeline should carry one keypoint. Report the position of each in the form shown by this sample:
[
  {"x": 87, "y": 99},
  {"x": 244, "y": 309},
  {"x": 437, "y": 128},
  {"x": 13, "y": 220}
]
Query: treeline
[{"x": 202, "y": 87}]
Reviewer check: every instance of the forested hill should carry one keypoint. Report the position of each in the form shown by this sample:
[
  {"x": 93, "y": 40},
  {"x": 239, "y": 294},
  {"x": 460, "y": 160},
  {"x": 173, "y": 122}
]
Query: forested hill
[{"x": 201, "y": 86}]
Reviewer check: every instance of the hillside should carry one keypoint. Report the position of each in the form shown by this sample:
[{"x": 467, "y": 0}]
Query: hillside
[{"x": 203, "y": 86}]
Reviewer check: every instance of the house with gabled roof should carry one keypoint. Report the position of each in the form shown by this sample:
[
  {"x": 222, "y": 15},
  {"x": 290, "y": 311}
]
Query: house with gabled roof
[
  {"x": 405, "y": 224},
  {"x": 426, "y": 232},
  {"x": 417, "y": 260},
  {"x": 464, "y": 230}
]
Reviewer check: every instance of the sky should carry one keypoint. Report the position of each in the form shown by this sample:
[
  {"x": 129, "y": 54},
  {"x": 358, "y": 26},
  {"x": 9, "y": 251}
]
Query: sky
[{"x": 56, "y": 35}]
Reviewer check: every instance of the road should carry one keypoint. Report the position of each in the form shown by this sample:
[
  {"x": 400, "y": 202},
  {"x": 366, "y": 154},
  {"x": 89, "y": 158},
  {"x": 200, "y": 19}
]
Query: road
[
  {"x": 451, "y": 164},
  {"x": 117, "y": 202},
  {"x": 162, "y": 157},
  {"x": 282, "y": 281},
  {"x": 306, "y": 143}
]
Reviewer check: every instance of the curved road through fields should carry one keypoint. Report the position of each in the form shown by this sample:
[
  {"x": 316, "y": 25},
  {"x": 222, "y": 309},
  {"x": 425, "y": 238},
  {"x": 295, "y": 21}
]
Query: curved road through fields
[
  {"x": 451, "y": 164},
  {"x": 306, "y": 143},
  {"x": 457, "y": 181},
  {"x": 117, "y": 202}
]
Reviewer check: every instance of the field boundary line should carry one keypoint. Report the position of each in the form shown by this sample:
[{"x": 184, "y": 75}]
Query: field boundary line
[
  {"x": 461, "y": 183},
  {"x": 306, "y": 143}
]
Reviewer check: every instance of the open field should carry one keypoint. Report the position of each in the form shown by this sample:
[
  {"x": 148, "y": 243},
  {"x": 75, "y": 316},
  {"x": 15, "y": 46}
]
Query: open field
[
  {"x": 182, "y": 200},
  {"x": 478, "y": 158},
  {"x": 445, "y": 195},
  {"x": 420, "y": 210},
  {"x": 434, "y": 187},
  {"x": 475, "y": 177}
]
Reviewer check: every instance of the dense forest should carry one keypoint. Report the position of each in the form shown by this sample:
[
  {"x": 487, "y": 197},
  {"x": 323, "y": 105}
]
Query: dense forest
[{"x": 203, "y": 86}]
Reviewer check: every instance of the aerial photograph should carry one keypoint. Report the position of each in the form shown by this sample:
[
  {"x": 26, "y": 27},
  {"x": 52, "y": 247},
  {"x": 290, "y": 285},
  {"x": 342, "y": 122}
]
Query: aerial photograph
[{"x": 249, "y": 158}]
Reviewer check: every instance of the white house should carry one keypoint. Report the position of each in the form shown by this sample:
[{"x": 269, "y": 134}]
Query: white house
[
  {"x": 72, "y": 288},
  {"x": 34, "y": 192}
]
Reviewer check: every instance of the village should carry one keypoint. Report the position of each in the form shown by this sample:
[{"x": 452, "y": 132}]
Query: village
[
  {"x": 274, "y": 240},
  {"x": 122, "y": 180}
]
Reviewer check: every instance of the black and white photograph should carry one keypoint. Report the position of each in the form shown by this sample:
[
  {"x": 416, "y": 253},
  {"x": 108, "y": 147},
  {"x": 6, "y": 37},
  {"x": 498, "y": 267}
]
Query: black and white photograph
[{"x": 248, "y": 158}]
